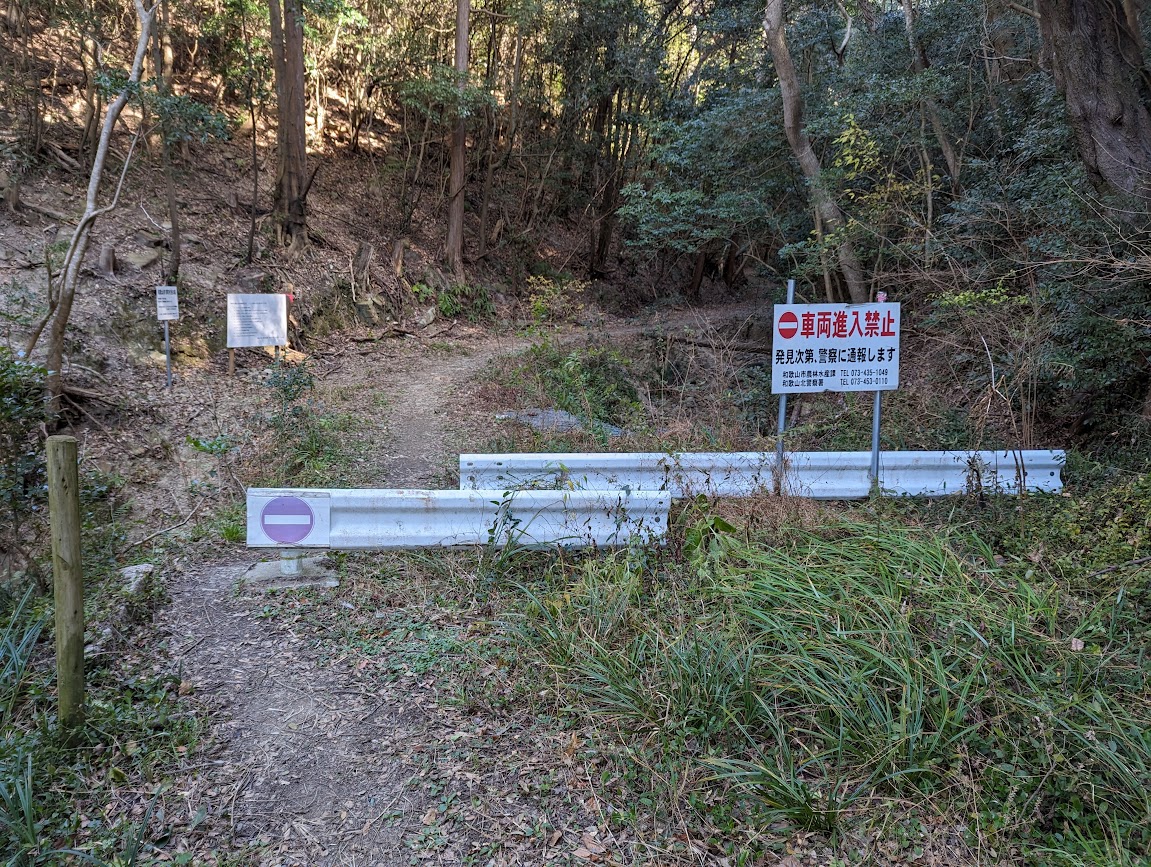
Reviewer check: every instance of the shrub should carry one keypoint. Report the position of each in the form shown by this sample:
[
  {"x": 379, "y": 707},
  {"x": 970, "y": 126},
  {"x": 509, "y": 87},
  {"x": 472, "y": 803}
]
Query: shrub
[{"x": 22, "y": 484}]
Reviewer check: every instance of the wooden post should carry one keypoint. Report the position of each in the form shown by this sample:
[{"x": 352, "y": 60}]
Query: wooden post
[
  {"x": 67, "y": 568},
  {"x": 231, "y": 362}
]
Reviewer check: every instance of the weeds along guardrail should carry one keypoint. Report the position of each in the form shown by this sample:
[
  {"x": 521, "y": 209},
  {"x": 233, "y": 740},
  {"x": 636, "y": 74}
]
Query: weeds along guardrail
[
  {"x": 350, "y": 520},
  {"x": 819, "y": 475}
]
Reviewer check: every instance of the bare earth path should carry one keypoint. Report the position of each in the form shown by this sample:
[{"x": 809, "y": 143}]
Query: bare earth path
[
  {"x": 314, "y": 760},
  {"x": 305, "y": 766},
  {"x": 420, "y": 399}
]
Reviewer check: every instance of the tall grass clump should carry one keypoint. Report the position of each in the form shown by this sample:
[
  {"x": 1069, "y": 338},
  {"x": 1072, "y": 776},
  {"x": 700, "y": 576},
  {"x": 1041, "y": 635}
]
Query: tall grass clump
[{"x": 811, "y": 673}]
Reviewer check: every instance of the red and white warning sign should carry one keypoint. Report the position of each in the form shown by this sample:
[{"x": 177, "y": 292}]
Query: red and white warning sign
[{"x": 835, "y": 347}]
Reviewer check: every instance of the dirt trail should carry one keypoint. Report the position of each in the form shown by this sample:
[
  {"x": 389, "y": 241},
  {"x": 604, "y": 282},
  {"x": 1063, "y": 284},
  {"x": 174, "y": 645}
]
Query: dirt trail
[
  {"x": 307, "y": 763},
  {"x": 302, "y": 762},
  {"x": 419, "y": 400}
]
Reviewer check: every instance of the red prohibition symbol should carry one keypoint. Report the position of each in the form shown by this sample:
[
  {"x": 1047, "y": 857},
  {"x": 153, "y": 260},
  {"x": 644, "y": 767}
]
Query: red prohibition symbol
[{"x": 788, "y": 326}]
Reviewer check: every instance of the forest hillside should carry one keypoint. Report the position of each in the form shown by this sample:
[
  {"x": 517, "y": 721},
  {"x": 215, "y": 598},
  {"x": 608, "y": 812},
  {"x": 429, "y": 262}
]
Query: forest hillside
[{"x": 520, "y": 226}]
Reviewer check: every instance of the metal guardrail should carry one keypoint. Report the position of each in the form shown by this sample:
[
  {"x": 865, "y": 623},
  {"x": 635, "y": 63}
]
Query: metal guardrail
[
  {"x": 820, "y": 475},
  {"x": 375, "y": 519}
]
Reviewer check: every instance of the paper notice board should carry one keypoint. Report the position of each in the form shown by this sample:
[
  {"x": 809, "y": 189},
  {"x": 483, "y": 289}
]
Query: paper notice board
[
  {"x": 257, "y": 320},
  {"x": 167, "y": 303}
]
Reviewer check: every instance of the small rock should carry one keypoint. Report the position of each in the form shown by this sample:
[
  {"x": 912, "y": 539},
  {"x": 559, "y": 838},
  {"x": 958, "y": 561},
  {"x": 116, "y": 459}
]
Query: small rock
[
  {"x": 253, "y": 279},
  {"x": 148, "y": 238},
  {"x": 366, "y": 312},
  {"x": 142, "y": 259},
  {"x": 558, "y": 420},
  {"x": 135, "y": 576},
  {"x": 427, "y": 317}
]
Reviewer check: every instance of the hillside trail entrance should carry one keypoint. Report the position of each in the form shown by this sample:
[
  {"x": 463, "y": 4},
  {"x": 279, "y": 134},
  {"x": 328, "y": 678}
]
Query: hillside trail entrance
[{"x": 304, "y": 763}]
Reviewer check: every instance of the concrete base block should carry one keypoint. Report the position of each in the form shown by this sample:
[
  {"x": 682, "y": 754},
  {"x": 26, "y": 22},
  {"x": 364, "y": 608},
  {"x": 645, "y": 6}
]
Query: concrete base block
[{"x": 292, "y": 571}]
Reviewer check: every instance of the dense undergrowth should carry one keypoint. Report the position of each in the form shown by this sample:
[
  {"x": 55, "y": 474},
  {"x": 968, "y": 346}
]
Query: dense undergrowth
[
  {"x": 977, "y": 662},
  {"x": 813, "y": 673},
  {"x": 963, "y": 678}
]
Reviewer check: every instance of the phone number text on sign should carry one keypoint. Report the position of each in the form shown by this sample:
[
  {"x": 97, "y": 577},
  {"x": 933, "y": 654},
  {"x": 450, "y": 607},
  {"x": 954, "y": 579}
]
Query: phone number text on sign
[{"x": 835, "y": 347}]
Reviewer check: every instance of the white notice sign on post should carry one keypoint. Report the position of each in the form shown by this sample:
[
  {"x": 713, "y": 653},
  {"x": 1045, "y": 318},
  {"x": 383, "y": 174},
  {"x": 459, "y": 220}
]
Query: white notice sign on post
[
  {"x": 257, "y": 320},
  {"x": 167, "y": 304},
  {"x": 835, "y": 347}
]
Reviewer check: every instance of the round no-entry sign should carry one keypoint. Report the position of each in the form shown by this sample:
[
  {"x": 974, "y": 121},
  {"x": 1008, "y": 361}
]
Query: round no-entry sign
[
  {"x": 287, "y": 520},
  {"x": 788, "y": 326}
]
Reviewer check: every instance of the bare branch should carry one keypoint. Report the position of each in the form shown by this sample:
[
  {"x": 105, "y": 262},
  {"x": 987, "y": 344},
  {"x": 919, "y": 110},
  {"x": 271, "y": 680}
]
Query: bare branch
[{"x": 1022, "y": 10}]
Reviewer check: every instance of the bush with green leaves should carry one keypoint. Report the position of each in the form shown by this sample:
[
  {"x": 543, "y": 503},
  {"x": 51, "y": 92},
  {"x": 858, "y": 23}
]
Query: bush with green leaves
[
  {"x": 306, "y": 448},
  {"x": 591, "y": 383}
]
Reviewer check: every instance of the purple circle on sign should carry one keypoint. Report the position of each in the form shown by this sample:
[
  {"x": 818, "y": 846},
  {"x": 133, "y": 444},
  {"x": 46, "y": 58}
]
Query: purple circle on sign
[{"x": 287, "y": 520}]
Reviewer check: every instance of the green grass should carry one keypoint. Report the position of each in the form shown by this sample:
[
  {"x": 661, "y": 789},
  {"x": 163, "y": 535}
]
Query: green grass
[
  {"x": 870, "y": 673},
  {"x": 91, "y": 792},
  {"x": 592, "y": 383},
  {"x": 803, "y": 675}
]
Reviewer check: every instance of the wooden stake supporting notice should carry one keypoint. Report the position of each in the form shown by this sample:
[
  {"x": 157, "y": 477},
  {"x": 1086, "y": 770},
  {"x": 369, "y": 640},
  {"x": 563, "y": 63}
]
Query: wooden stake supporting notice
[
  {"x": 231, "y": 362},
  {"x": 67, "y": 568}
]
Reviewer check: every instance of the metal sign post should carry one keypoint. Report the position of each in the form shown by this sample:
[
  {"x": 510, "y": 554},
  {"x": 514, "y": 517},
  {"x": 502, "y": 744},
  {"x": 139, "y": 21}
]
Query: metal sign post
[
  {"x": 876, "y": 414},
  {"x": 167, "y": 310},
  {"x": 782, "y": 414},
  {"x": 167, "y": 356}
]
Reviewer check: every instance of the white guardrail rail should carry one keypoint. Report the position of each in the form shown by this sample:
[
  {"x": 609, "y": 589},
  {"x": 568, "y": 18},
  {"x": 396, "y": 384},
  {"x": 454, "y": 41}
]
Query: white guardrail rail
[
  {"x": 350, "y": 520},
  {"x": 820, "y": 475}
]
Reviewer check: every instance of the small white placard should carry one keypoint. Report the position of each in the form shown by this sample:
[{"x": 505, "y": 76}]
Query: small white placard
[
  {"x": 289, "y": 519},
  {"x": 257, "y": 320},
  {"x": 835, "y": 347},
  {"x": 167, "y": 304}
]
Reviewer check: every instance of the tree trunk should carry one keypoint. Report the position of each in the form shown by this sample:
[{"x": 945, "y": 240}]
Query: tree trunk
[
  {"x": 291, "y": 130},
  {"x": 797, "y": 137},
  {"x": 920, "y": 64},
  {"x": 1093, "y": 50},
  {"x": 74, "y": 257},
  {"x": 489, "y": 180},
  {"x": 172, "y": 272},
  {"x": 697, "y": 275},
  {"x": 454, "y": 253}
]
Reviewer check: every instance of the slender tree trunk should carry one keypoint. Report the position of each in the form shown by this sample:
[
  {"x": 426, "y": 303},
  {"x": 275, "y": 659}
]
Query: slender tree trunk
[
  {"x": 74, "y": 257},
  {"x": 492, "y": 143},
  {"x": 250, "y": 98},
  {"x": 514, "y": 97},
  {"x": 172, "y": 272},
  {"x": 454, "y": 254},
  {"x": 1093, "y": 48},
  {"x": 697, "y": 275},
  {"x": 489, "y": 180},
  {"x": 920, "y": 64},
  {"x": 291, "y": 134},
  {"x": 797, "y": 137}
]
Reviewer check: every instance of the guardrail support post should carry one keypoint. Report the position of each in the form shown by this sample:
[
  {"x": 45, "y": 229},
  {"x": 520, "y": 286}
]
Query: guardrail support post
[{"x": 291, "y": 562}]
